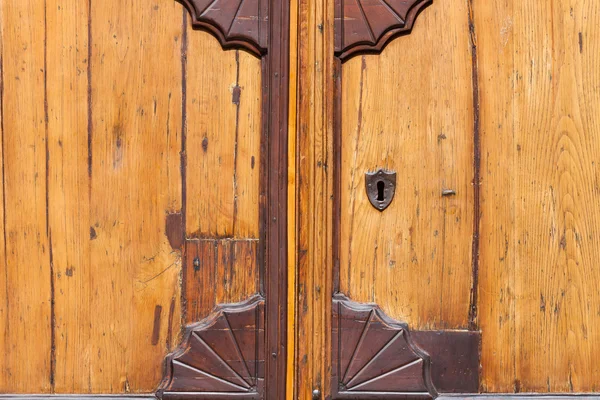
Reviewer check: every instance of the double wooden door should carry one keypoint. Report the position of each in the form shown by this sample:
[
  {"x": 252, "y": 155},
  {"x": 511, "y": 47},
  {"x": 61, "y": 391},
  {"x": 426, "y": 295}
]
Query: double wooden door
[{"x": 300, "y": 199}]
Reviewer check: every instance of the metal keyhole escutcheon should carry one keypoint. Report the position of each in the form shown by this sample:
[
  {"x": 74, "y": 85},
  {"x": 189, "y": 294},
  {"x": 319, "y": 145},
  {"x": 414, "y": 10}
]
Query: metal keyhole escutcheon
[{"x": 381, "y": 188}]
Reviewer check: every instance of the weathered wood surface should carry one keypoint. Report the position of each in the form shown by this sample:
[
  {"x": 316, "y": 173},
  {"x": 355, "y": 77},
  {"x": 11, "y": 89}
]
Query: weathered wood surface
[
  {"x": 539, "y": 76},
  {"x": 100, "y": 111}
]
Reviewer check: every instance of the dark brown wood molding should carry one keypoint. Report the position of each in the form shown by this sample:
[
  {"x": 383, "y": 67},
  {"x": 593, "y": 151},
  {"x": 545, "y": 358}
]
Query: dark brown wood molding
[
  {"x": 220, "y": 357},
  {"x": 376, "y": 357},
  {"x": 235, "y": 23},
  {"x": 367, "y": 26}
]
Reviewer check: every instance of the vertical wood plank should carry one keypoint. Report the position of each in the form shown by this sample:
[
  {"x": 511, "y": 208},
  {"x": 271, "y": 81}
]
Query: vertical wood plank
[
  {"x": 496, "y": 46},
  {"x": 400, "y": 112},
  {"x": 247, "y": 148},
  {"x": 223, "y": 141},
  {"x": 26, "y": 305},
  {"x": 314, "y": 195},
  {"x": 68, "y": 191},
  {"x": 539, "y": 66},
  {"x": 135, "y": 181}
]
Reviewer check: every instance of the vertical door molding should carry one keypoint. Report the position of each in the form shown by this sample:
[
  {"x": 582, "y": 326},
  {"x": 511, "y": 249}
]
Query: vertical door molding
[{"x": 262, "y": 28}]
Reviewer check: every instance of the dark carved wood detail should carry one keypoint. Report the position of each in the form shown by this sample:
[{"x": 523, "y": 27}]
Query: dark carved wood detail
[
  {"x": 369, "y": 25},
  {"x": 235, "y": 23},
  {"x": 374, "y": 356},
  {"x": 221, "y": 357}
]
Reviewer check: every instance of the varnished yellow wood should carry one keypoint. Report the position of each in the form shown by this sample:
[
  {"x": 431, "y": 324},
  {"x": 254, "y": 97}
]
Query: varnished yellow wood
[
  {"x": 401, "y": 111},
  {"x": 539, "y": 69},
  {"x": 223, "y": 140},
  {"x": 69, "y": 194},
  {"x": 135, "y": 181},
  {"x": 25, "y": 320},
  {"x": 314, "y": 169}
]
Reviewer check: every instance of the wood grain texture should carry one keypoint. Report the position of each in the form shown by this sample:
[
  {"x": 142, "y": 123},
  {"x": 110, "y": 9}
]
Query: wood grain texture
[
  {"x": 135, "y": 182},
  {"x": 26, "y": 263},
  {"x": 219, "y": 272},
  {"x": 223, "y": 147},
  {"x": 314, "y": 177},
  {"x": 92, "y": 131},
  {"x": 68, "y": 192},
  {"x": 401, "y": 113},
  {"x": 538, "y": 67}
]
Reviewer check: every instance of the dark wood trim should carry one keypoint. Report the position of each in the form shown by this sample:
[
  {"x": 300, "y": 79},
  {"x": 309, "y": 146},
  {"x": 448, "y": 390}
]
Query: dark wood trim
[
  {"x": 368, "y": 26},
  {"x": 523, "y": 396},
  {"x": 374, "y": 356},
  {"x": 337, "y": 174},
  {"x": 232, "y": 29},
  {"x": 377, "y": 357},
  {"x": 277, "y": 78},
  {"x": 474, "y": 297},
  {"x": 222, "y": 356}
]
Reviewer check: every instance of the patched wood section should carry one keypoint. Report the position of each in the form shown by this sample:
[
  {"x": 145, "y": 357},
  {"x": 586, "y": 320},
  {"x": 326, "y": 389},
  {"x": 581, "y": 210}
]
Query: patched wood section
[
  {"x": 415, "y": 258},
  {"x": 540, "y": 129},
  {"x": 374, "y": 356},
  {"x": 369, "y": 25},
  {"x": 235, "y": 23},
  {"x": 219, "y": 272},
  {"x": 220, "y": 357}
]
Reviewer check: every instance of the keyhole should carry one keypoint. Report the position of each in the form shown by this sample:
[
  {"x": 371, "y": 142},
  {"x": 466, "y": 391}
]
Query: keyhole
[{"x": 381, "y": 191}]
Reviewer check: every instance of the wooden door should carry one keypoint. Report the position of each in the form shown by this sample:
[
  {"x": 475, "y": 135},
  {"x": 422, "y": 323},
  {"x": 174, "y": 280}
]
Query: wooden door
[
  {"x": 467, "y": 263},
  {"x": 141, "y": 160},
  {"x": 299, "y": 199}
]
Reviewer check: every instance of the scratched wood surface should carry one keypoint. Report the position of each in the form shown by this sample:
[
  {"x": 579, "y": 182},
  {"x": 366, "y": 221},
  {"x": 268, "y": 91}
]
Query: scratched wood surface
[
  {"x": 99, "y": 112},
  {"x": 224, "y": 140},
  {"x": 539, "y": 74},
  {"x": 402, "y": 113},
  {"x": 314, "y": 190},
  {"x": 27, "y": 293}
]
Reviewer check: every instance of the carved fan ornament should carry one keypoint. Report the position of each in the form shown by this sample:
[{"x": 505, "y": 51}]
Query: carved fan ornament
[
  {"x": 375, "y": 355},
  {"x": 235, "y": 23},
  {"x": 220, "y": 357},
  {"x": 369, "y": 25}
]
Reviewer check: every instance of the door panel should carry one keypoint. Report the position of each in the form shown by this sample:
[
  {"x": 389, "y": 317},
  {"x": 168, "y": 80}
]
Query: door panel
[
  {"x": 540, "y": 124},
  {"x": 113, "y": 138},
  {"x": 487, "y": 112},
  {"x": 400, "y": 113}
]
